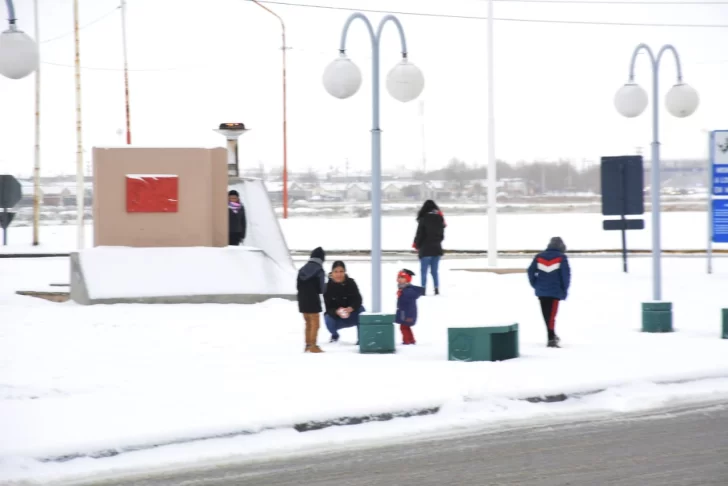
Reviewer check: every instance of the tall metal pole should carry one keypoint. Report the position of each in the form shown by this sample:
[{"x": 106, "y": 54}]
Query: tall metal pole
[
  {"x": 126, "y": 73},
  {"x": 284, "y": 48},
  {"x": 655, "y": 163},
  {"x": 79, "y": 134},
  {"x": 376, "y": 145},
  {"x": 423, "y": 191},
  {"x": 36, "y": 161},
  {"x": 492, "y": 166}
]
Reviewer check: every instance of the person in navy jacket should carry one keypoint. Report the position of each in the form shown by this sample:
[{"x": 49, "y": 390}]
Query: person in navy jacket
[
  {"x": 407, "y": 296},
  {"x": 550, "y": 277}
]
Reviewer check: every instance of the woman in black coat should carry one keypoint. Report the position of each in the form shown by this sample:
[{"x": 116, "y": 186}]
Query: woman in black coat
[
  {"x": 428, "y": 241},
  {"x": 343, "y": 302}
]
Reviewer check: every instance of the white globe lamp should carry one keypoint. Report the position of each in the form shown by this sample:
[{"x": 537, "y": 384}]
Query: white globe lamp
[
  {"x": 630, "y": 100},
  {"x": 19, "y": 56},
  {"x": 682, "y": 100},
  {"x": 342, "y": 78},
  {"x": 405, "y": 81}
]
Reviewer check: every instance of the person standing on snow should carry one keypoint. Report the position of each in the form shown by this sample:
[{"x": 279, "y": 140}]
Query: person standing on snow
[
  {"x": 311, "y": 284},
  {"x": 550, "y": 276},
  {"x": 236, "y": 219},
  {"x": 428, "y": 242}
]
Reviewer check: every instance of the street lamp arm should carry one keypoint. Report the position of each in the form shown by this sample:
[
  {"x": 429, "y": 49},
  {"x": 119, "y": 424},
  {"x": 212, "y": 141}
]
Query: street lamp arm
[
  {"x": 655, "y": 60},
  {"x": 395, "y": 20},
  {"x": 345, "y": 31},
  {"x": 641, "y": 47},
  {"x": 669, "y": 47},
  {"x": 283, "y": 26},
  {"x": 11, "y": 13}
]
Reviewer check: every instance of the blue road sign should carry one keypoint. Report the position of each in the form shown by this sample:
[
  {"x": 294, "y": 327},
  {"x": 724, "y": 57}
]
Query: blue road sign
[
  {"x": 720, "y": 220},
  {"x": 719, "y": 161}
]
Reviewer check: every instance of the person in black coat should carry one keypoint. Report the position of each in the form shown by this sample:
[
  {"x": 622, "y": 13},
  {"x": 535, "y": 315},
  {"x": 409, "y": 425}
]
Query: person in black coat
[
  {"x": 428, "y": 242},
  {"x": 236, "y": 219},
  {"x": 343, "y": 302},
  {"x": 311, "y": 283}
]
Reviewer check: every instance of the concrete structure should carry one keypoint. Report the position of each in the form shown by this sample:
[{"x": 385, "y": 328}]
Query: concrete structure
[
  {"x": 161, "y": 233},
  {"x": 201, "y": 217}
]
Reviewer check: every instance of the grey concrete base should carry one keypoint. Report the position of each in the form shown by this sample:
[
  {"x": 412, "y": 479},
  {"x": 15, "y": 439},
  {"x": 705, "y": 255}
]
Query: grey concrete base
[{"x": 80, "y": 295}]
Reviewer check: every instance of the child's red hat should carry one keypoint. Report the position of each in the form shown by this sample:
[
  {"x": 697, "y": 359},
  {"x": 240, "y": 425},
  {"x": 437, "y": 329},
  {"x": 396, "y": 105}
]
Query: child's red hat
[{"x": 406, "y": 274}]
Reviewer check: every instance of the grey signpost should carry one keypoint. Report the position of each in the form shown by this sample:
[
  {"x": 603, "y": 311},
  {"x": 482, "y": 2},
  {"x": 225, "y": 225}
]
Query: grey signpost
[
  {"x": 718, "y": 198},
  {"x": 10, "y": 195},
  {"x": 622, "y": 195}
]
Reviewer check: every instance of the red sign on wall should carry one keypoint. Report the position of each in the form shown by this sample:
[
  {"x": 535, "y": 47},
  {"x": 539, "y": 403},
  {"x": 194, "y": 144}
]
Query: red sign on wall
[{"x": 148, "y": 193}]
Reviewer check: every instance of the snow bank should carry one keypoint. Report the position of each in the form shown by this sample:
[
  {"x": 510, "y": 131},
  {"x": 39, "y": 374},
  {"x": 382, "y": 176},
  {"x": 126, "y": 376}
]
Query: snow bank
[{"x": 134, "y": 273}]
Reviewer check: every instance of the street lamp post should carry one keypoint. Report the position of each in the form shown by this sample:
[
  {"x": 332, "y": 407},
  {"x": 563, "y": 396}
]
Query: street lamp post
[
  {"x": 405, "y": 82},
  {"x": 19, "y": 56},
  {"x": 284, "y": 48},
  {"x": 681, "y": 101}
]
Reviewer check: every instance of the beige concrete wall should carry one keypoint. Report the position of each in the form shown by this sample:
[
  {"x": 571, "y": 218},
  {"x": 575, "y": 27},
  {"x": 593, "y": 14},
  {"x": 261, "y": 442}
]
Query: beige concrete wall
[{"x": 201, "y": 218}]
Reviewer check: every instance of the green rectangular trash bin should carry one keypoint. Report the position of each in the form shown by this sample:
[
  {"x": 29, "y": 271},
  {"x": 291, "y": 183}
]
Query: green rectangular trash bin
[
  {"x": 376, "y": 333},
  {"x": 724, "y": 334},
  {"x": 657, "y": 317},
  {"x": 497, "y": 343}
]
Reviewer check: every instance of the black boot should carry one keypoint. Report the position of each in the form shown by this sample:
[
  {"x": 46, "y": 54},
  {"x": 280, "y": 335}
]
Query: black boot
[
  {"x": 553, "y": 343},
  {"x": 437, "y": 291}
]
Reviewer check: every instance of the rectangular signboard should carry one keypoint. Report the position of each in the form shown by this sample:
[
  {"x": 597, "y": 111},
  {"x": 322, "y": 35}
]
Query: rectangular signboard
[
  {"x": 623, "y": 224},
  {"x": 719, "y": 161},
  {"x": 622, "y": 181},
  {"x": 720, "y": 220}
]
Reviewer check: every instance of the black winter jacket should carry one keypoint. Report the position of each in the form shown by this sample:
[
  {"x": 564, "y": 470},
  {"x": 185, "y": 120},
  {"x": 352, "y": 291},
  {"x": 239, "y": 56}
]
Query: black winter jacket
[
  {"x": 344, "y": 294},
  {"x": 237, "y": 222},
  {"x": 430, "y": 233},
  {"x": 311, "y": 283}
]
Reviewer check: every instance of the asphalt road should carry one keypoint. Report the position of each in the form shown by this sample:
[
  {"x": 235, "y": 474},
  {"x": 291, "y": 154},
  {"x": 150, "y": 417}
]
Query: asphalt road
[{"x": 687, "y": 446}]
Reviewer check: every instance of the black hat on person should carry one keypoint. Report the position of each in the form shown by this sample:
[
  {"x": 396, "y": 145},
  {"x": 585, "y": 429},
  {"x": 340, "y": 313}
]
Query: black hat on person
[{"x": 319, "y": 253}]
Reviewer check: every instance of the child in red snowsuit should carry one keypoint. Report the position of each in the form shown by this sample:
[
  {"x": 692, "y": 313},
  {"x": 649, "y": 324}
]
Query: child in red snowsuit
[{"x": 407, "y": 296}]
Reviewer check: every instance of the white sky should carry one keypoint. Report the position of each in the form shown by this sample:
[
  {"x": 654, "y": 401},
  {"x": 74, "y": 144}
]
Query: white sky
[{"x": 198, "y": 63}]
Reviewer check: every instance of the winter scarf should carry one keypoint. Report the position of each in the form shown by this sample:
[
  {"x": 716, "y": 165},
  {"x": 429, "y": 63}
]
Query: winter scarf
[{"x": 234, "y": 207}]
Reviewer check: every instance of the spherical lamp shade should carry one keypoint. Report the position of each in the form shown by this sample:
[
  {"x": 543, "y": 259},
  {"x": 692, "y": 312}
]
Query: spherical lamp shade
[
  {"x": 630, "y": 100},
  {"x": 342, "y": 78},
  {"x": 405, "y": 81},
  {"x": 19, "y": 55},
  {"x": 682, "y": 100}
]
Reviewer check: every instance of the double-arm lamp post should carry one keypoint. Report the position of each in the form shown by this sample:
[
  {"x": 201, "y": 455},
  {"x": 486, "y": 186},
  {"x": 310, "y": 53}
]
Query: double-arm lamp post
[
  {"x": 681, "y": 101},
  {"x": 405, "y": 82}
]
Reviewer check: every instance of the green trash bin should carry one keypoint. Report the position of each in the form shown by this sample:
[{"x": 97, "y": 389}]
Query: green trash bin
[
  {"x": 724, "y": 335},
  {"x": 657, "y": 317},
  {"x": 376, "y": 333},
  {"x": 495, "y": 343}
]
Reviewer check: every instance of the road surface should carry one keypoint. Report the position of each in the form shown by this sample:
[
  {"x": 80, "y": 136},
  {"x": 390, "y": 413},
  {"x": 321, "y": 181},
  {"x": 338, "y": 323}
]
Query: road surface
[{"x": 687, "y": 446}]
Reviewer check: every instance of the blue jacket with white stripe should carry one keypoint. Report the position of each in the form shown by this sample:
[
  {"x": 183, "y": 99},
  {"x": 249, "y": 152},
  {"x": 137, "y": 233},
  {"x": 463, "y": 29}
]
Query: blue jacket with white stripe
[{"x": 550, "y": 274}]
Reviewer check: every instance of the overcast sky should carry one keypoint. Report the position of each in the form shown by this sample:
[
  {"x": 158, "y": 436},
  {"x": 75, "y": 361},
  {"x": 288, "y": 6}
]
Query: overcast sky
[{"x": 197, "y": 63}]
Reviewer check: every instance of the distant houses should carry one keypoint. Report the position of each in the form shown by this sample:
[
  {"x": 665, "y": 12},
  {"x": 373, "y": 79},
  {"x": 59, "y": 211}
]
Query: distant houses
[{"x": 63, "y": 193}]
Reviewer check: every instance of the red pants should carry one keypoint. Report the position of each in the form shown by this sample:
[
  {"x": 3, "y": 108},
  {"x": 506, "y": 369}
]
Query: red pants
[{"x": 407, "y": 336}]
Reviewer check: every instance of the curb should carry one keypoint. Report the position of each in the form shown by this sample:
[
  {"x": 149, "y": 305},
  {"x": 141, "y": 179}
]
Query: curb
[{"x": 311, "y": 426}]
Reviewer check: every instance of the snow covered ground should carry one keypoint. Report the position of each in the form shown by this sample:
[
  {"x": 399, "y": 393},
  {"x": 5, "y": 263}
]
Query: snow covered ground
[
  {"x": 680, "y": 230},
  {"x": 87, "y": 379}
]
